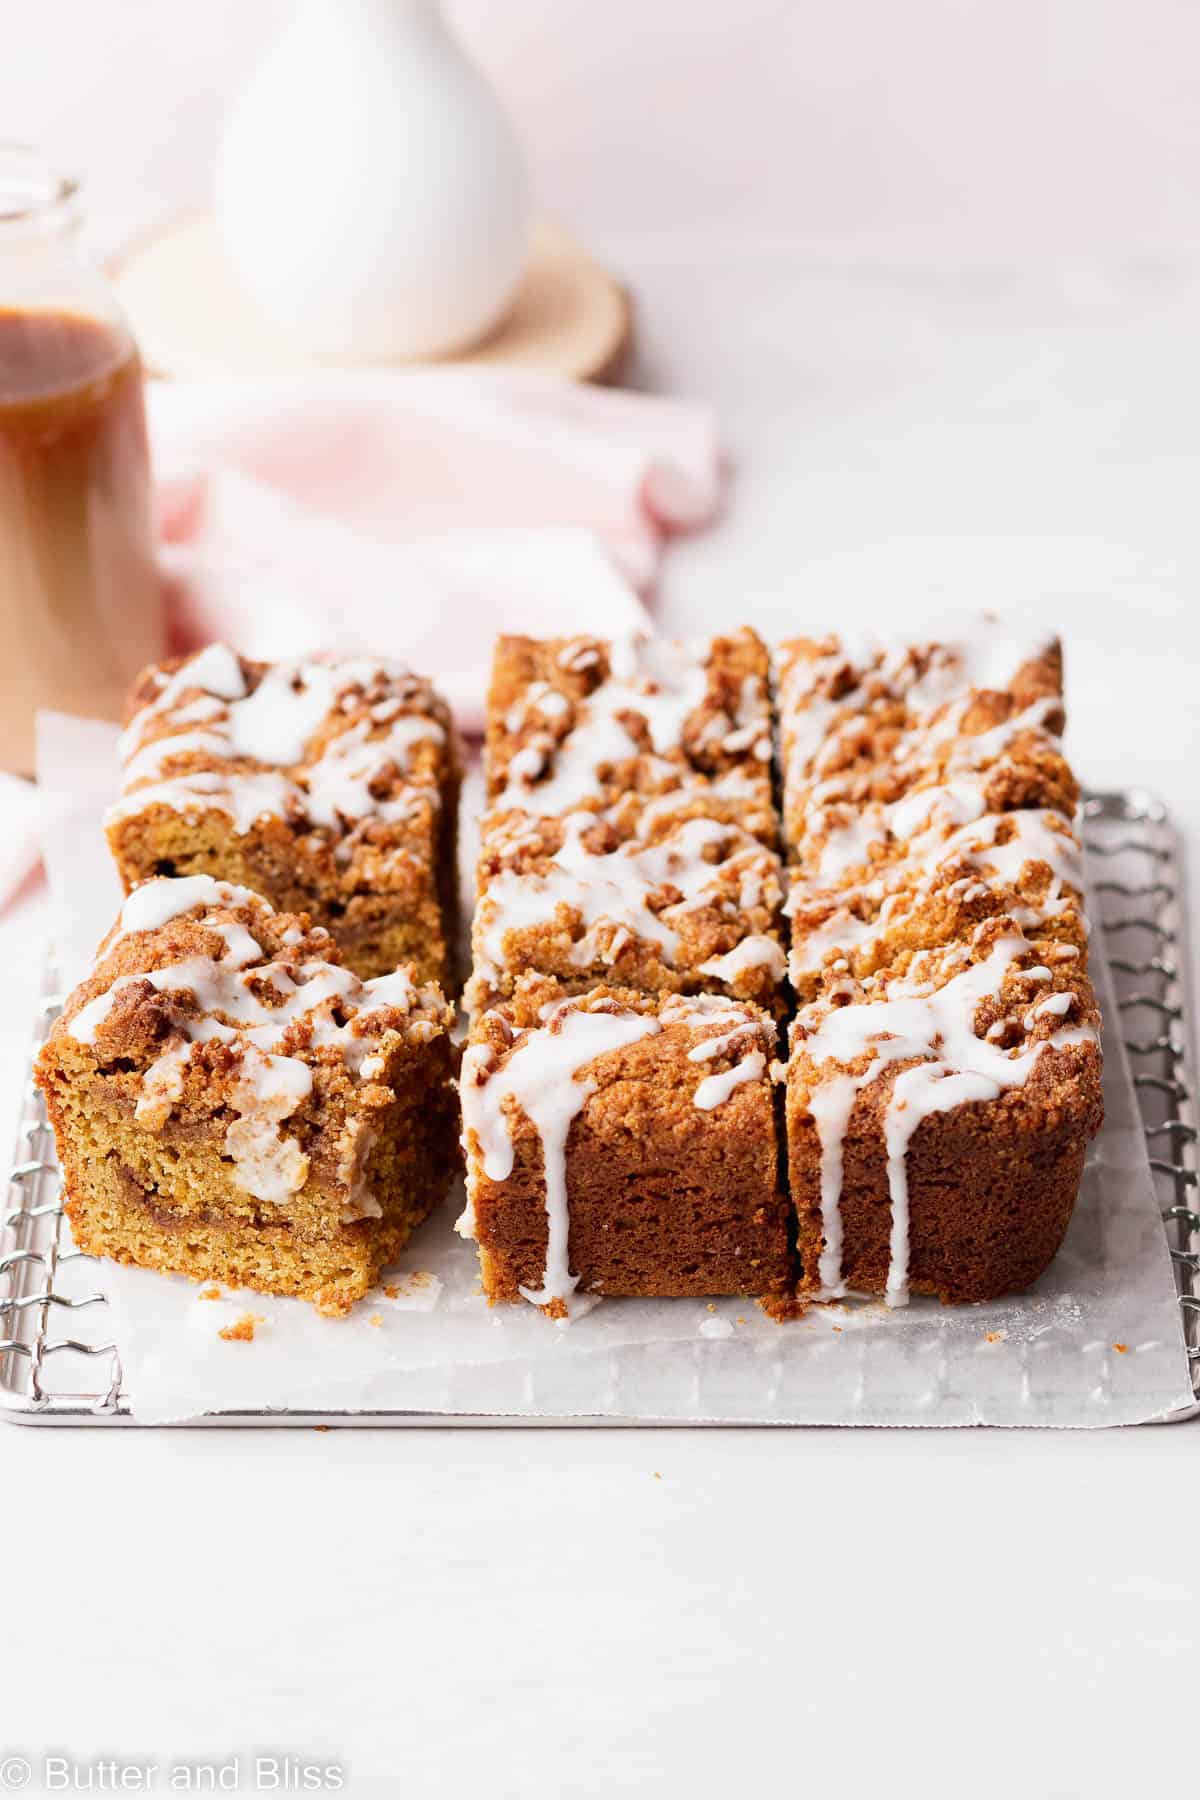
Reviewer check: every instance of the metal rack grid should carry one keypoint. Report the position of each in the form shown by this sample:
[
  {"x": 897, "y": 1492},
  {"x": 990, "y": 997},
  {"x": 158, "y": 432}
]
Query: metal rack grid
[{"x": 52, "y": 1317}]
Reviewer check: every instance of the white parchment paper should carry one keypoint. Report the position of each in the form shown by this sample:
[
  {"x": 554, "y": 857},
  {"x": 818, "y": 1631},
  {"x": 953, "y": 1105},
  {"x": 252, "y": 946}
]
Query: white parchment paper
[{"x": 1096, "y": 1342}]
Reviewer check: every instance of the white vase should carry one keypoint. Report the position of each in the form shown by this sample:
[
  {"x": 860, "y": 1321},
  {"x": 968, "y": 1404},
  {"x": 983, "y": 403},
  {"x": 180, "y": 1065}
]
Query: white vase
[{"x": 371, "y": 193}]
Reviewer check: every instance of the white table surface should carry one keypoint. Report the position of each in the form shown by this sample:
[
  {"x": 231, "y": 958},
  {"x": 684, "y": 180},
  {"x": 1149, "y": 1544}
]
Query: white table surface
[{"x": 725, "y": 1612}]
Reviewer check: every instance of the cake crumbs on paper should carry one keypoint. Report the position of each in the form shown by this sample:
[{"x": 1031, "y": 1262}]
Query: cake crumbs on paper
[
  {"x": 658, "y": 1474},
  {"x": 781, "y": 1308},
  {"x": 209, "y": 1293},
  {"x": 712, "y": 1306},
  {"x": 242, "y": 1332},
  {"x": 739, "y": 1321},
  {"x": 1121, "y": 1349},
  {"x": 408, "y": 1284},
  {"x": 994, "y": 1337},
  {"x": 322, "y": 1427},
  {"x": 375, "y": 1319}
]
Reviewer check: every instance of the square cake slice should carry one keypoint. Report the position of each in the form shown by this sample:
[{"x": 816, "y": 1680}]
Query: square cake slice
[
  {"x": 693, "y": 906},
  {"x": 934, "y": 889},
  {"x": 231, "y": 1103},
  {"x": 619, "y": 1143},
  {"x": 329, "y": 785},
  {"x": 938, "y": 1116},
  {"x": 633, "y": 728},
  {"x": 897, "y": 724}
]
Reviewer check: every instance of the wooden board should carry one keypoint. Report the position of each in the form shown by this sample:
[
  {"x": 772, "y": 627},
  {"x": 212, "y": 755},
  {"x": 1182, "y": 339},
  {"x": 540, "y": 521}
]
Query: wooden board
[{"x": 192, "y": 319}]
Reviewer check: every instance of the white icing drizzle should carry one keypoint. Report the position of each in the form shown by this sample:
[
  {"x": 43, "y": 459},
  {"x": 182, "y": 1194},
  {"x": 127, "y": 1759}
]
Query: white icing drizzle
[
  {"x": 753, "y": 952},
  {"x": 276, "y": 721},
  {"x": 216, "y": 671},
  {"x": 580, "y": 653},
  {"x": 156, "y": 903},
  {"x": 1054, "y": 1006},
  {"x": 363, "y": 1203},
  {"x": 715, "y": 1089},
  {"x": 699, "y": 1010},
  {"x": 972, "y": 750},
  {"x": 273, "y": 727},
  {"x": 958, "y": 665},
  {"x": 542, "y": 1077},
  {"x": 721, "y": 1045},
  {"x": 954, "y": 822},
  {"x": 268, "y": 1090},
  {"x": 270, "y": 1085},
  {"x": 610, "y": 892},
  {"x": 162, "y": 1086},
  {"x": 831, "y": 1102},
  {"x": 538, "y": 699},
  {"x": 731, "y": 785},
  {"x": 246, "y": 799},
  {"x": 871, "y": 867},
  {"x": 338, "y": 786},
  {"x": 848, "y": 846},
  {"x": 1030, "y": 837},
  {"x": 957, "y": 802},
  {"x": 956, "y": 1067},
  {"x": 751, "y": 726},
  {"x": 841, "y": 931},
  {"x": 660, "y": 682}
]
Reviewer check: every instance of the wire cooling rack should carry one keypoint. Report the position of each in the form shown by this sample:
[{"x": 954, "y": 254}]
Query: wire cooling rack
[{"x": 59, "y": 1365}]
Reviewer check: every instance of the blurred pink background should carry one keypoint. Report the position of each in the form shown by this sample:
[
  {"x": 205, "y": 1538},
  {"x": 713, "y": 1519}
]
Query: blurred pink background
[{"x": 970, "y": 128}]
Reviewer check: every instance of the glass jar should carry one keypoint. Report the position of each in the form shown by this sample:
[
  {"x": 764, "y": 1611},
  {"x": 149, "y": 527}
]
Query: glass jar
[{"x": 80, "y": 605}]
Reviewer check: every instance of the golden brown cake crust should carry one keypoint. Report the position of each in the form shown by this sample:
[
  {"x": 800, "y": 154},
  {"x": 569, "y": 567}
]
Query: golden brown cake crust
[
  {"x": 990, "y": 1183},
  {"x": 627, "y": 726},
  {"x": 944, "y": 1071},
  {"x": 672, "y": 1188},
  {"x": 690, "y": 907},
  {"x": 880, "y": 720},
  {"x": 944, "y": 1076},
  {"x": 629, "y": 915},
  {"x": 232, "y": 1103},
  {"x": 933, "y": 890},
  {"x": 329, "y": 785},
  {"x": 631, "y": 831}
]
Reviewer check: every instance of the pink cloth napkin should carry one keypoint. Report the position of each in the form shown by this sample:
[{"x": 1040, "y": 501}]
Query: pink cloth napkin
[
  {"x": 410, "y": 513},
  {"x": 19, "y": 851},
  {"x": 401, "y": 454},
  {"x": 419, "y": 513},
  {"x": 257, "y": 569}
]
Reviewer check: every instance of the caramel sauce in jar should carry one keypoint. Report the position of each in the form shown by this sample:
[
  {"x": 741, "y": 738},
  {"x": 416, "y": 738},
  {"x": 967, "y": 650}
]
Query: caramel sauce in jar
[{"x": 80, "y": 606}]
